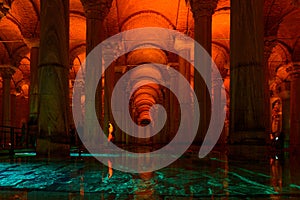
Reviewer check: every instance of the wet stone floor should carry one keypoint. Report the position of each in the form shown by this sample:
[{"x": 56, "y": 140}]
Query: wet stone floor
[{"x": 236, "y": 172}]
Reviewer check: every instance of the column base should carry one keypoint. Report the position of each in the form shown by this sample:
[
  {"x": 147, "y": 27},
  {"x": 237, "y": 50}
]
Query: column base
[
  {"x": 248, "y": 137},
  {"x": 47, "y": 148}
]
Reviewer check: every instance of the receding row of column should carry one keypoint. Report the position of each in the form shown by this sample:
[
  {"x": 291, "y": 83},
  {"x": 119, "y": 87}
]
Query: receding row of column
[{"x": 49, "y": 94}]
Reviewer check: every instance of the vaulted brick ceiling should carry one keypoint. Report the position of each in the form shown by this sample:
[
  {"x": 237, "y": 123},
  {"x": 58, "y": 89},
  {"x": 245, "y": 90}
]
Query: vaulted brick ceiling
[{"x": 282, "y": 18}]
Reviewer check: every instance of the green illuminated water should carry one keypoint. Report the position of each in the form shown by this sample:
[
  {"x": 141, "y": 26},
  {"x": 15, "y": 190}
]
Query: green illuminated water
[{"x": 220, "y": 175}]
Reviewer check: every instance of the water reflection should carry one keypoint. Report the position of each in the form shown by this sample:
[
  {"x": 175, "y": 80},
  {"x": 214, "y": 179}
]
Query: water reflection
[
  {"x": 276, "y": 162},
  {"x": 144, "y": 186},
  {"x": 219, "y": 175}
]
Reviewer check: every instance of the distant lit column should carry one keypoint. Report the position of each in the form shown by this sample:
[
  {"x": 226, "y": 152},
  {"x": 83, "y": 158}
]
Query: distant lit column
[
  {"x": 202, "y": 12},
  {"x": 33, "y": 44},
  {"x": 269, "y": 44},
  {"x": 216, "y": 104},
  {"x": 295, "y": 107},
  {"x": 6, "y": 73}
]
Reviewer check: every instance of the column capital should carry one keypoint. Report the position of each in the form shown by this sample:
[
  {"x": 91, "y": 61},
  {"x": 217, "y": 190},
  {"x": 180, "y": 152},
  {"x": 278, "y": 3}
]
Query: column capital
[
  {"x": 202, "y": 8},
  {"x": 96, "y": 9},
  {"x": 32, "y": 42},
  {"x": 7, "y": 71}
]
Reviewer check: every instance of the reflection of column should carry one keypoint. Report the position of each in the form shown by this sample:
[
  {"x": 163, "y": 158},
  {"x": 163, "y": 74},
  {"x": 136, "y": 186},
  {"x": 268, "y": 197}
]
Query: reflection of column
[
  {"x": 6, "y": 73},
  {"x": 247, "y": 72},
  {"x": 53, "y": 73},
  {"x": 276, "y": 174},
  {"x": 33, "y": 44},
  {"x": 202, "y": 12},
  {"x": 295, "y": 106}
]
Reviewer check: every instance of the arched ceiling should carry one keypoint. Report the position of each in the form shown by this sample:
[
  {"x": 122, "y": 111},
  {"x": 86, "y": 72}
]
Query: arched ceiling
[{"x": 281, "y": 17}]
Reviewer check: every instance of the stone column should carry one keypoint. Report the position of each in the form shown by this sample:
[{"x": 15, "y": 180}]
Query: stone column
[
  {"x": 269, "y": 44},
  {"x": 247, "y": 71},
  {"x": 95, "y": 11},
  {"x": 174, "y": 107},
  {"x": 202, "y": 12},
  {"x": 33, "y": 44},
  {"x": 295, "y": 107},
  {"x": 6, "y": 72},
  {"x": 109, "y": 82},
  {"x": 53, "y": 70},
  {"x": 285, "y": 107},
  {"x": 217, "y": 106}
]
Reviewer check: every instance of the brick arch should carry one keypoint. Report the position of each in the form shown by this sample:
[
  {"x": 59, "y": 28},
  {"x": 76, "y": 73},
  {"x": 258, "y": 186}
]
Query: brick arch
[
  {"x": 26, "y": 14},
  {"x": 151, "y": 17},
  {"x": 281, "y": 54}
]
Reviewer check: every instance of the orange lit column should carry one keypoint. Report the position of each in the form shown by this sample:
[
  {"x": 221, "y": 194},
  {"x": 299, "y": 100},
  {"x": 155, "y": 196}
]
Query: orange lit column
[
  {"x": 295, "y": 107},
  {"x": 95, "y": 11},
  {"x": 6, "y": 73},
  {"x": 269, "y": 44},
  {"x": 285, "y": 107},
  {"x": 202, "y": 12},
  {"x": 247, "y": 71},
  {"x": 53, "y": 70}
]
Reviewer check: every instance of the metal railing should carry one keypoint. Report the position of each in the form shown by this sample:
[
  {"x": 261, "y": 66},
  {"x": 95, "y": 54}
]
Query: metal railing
[{"x": 12, "y": 138}]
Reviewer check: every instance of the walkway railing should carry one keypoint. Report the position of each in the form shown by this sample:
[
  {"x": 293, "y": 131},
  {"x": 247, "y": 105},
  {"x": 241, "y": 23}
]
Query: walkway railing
[{"x": 12, "y": 138}]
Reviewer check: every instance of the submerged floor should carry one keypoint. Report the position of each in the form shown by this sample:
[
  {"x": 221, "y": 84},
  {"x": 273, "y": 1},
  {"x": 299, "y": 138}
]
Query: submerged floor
[{"x": 237, "y": 172}]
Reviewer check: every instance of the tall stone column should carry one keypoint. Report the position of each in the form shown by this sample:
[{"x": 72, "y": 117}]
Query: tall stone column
[
  {"x": 295, "y": 107},
  {"x": 217, "y": 106},
  {"x": 269, "y": 44},
  {"x": 247, "y": 71},
  {"x": 109, "y": 82},
  {"x": 33, "y": 44},
  {"x": 6, "y": 72},
  {"x": 202, "y": 12},
  {"x": 95, "y": 11},
  {"x": 285, "y": 100},
  {"x": 53, "y": 70}
]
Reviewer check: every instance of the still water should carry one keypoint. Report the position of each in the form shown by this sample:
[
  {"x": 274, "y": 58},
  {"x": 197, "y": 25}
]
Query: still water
[{"x": 235, "y": 172}]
